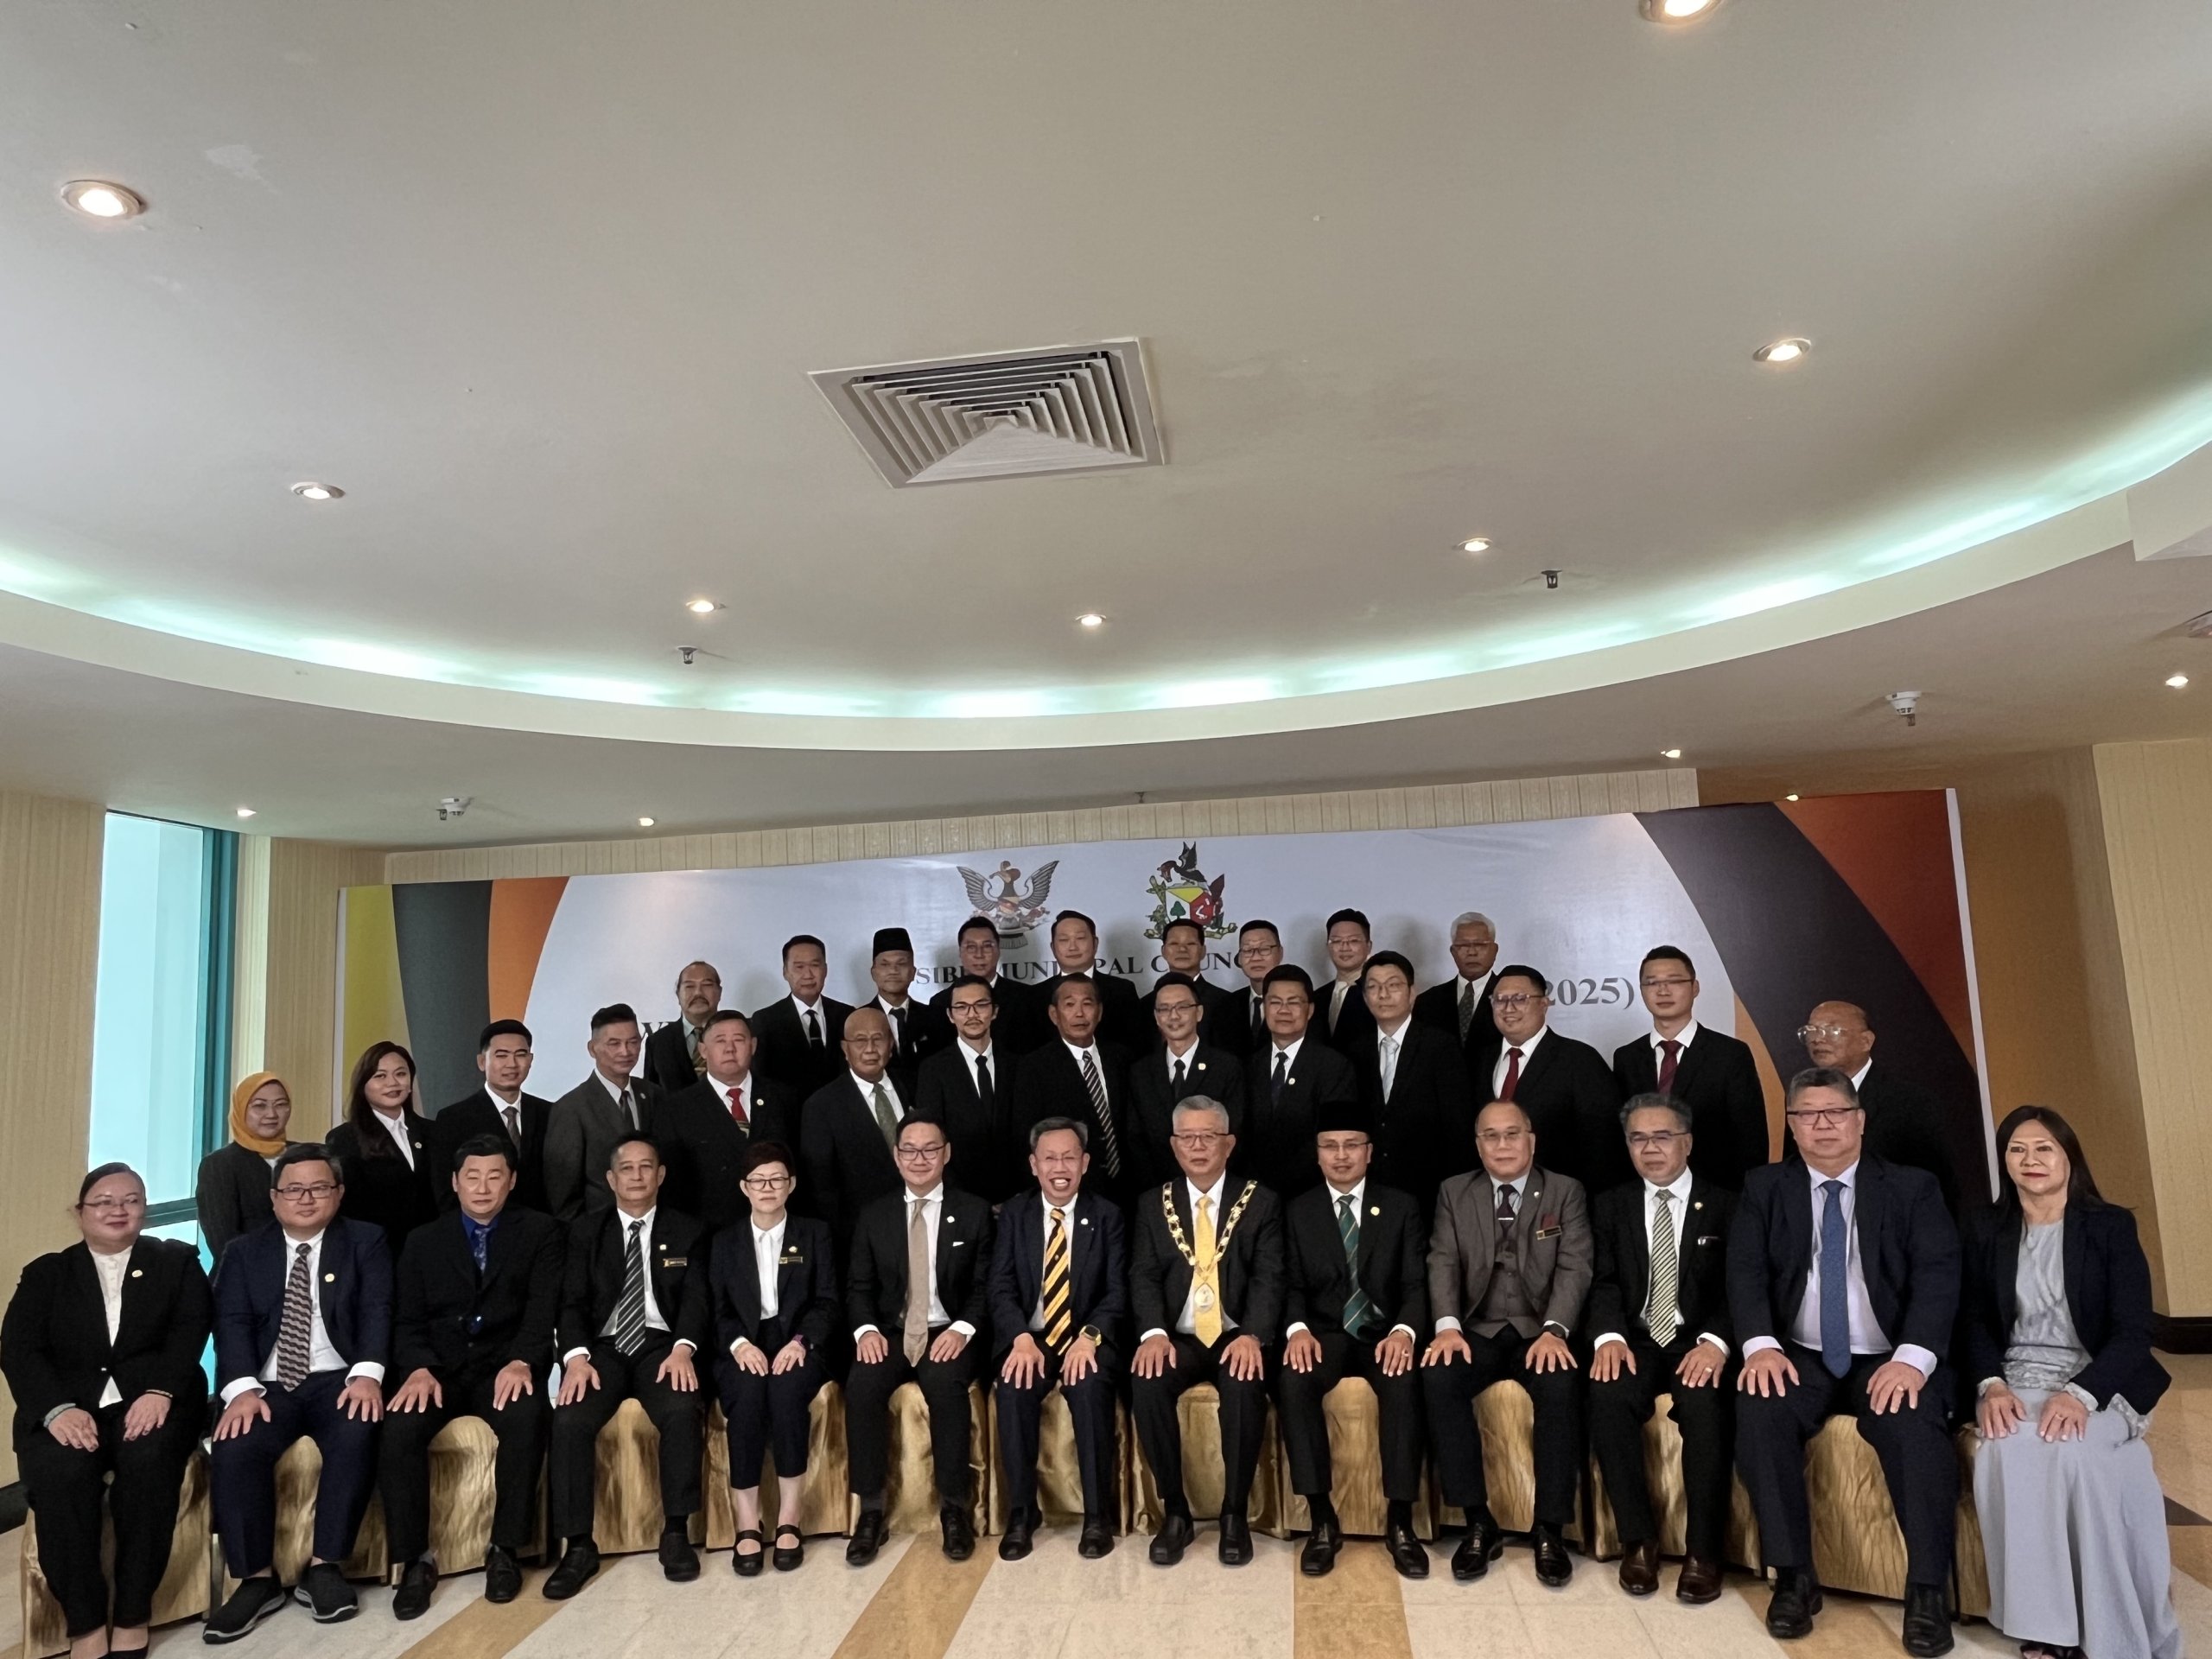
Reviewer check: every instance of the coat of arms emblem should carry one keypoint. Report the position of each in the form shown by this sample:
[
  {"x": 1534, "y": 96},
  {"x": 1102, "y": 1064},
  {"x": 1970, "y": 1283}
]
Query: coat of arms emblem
[
  {"x": 1014, "y": 908},
  {"x": 1180, "y": 891}
]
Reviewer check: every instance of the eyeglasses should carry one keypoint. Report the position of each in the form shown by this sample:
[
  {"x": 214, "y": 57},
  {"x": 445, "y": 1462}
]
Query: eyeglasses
[
  {"x": 1197, "y": 1140},
  {"x": 765, "y": 1183},
  {"x": 1172, "y": 1008},
  {"x": 1660, "y": 1138},
  {"x": 312, "y": 1190},
  {"x": 921, "y": 1155},
  {"x": 1667, "y": 985},
  {"x": 1357, "y": 1143},
  {"x": 1499, "y": 1137},
  {"x": 135, "y": 1201},
  {"x": 1513, "y": 1002},
  {"x": 1834, "y": 1033},
  {"x": 1822, "y": 1117},
  {"x": 976, "y": 1006}
]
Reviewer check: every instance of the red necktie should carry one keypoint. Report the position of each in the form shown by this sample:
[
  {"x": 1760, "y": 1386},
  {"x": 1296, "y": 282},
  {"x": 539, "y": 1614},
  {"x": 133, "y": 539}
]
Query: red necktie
[
  {"x": 1673, "y": 1052},
  {"x": 1512, "y": 1074},
  {"x": 737, "y": 1108}
]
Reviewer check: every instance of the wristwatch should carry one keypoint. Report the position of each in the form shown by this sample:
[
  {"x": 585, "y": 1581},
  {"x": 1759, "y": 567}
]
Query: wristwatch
[{"x": 1092, "y": 1334}]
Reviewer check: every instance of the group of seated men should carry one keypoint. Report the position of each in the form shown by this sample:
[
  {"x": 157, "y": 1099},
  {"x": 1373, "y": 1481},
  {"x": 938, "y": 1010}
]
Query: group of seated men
[{"x": 1274, "y": 1188}]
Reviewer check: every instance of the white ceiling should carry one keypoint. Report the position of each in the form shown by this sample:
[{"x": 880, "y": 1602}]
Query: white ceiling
[{"x": 542, "y": 293}]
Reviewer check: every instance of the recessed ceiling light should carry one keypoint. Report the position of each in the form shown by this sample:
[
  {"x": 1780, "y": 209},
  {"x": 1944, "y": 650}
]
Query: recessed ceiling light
[
  {"x": 1670, "y": 755},
  {"x": 644, "y": 824},
  {"x": 98, "y": 199},
  {"x": 1784, "y": 350},
  {"x": 1676, "y": 11},
  {"x": 245, "y": 811},
  {"x": 701, "y": 606},
  {"x": 311, "y": 491},
  {"x": 1790, "y": 797},
  {"x": 2176, "y": 681},
  {"x": 1475, "y": 544},
  {"x": 1091, "y": 620}
]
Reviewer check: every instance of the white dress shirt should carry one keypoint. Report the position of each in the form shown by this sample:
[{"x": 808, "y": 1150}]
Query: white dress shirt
[
  {"x": 654, "y": 1321},
  {"x": 821, "y": 1019},
  {"x": 1679, "y": 1214},
  {"x": 747, "y": 1096},
  {"x": 1046, "y": 1207},
  {"x": 1289, "y": 1053},
  {"x": 1868, "y": 1336},
  {"x": 397, "y": 1129},
  {"x": 767, "y": 1253},
  {"x": 1187, "y": 1320},
  {"x": 1686, "y": 1036},
  {"x": 503, "y": 1107},
  {"x": 1358, "y": 1194},
  {"x": 1092, "y": 1051},
  {"x": 323, "y": 1355},
  {"x": 933, "y": 1202},
  {"x": 980, "y": 1057},
  {"x": 891, "y": 1090},
  {"x": 111, "y": 1270},
  {"x": 1519, "y": 1184},
  {"x": 1528, "y": 1047},
  {"x": 1859, "y": 1078},
  {"x": 616, "y": 1091}
]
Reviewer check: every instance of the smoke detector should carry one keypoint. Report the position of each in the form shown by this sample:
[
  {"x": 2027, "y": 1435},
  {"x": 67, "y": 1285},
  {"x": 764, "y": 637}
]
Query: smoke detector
[
  {"x": 452, "y": 806},
  {"x": 1908, "y": 704},
  {"x": 1075, "y": 409}
]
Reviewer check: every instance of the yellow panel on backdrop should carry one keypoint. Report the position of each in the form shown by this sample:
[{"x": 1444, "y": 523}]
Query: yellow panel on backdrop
[{"x": 372, "y": 1009}]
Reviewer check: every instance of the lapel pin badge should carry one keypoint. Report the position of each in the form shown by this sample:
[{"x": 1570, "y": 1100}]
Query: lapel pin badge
[
  {"x": 329, "y": 1277},
  {"x": 1374, "y": 1209},
  {"x": 138, "y": 1272}
]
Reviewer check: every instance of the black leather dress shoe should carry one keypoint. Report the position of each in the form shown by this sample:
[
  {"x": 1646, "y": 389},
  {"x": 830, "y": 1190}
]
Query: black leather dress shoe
[
  {"x": 1927, "y": 1621},
  {"x": 1796, "y": 1599},
  {"x": 1173, "y": 1537},
  {"x": 569, "y": 1574},
  {"x": 1020, "y": 1535},
  {"x": 789, "y": 1557},
  {"x": 679, "y": 1562},
  {"x": 867, "y": 1539},
  {"x": 1320, "y": 1552},
  {"x": 1640, "y": 1568},
  {"x": 1484, "y": 1544},
  {"x": 1407, "y": 1553},
  {"x": 1236, "y": 1539},
  {"x": 1097, "y": 1538},
  {"x": 1554, "y": 1566},
  {"x": 412, "y": 1598},
  {"x": 1700, "y": 1581},
  {"x": 503, "y": 1574},
  {"x": 959, "y": 1531}
]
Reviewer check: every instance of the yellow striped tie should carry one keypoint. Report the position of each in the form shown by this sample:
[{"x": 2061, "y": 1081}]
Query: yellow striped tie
[
  {"x": 1206, "y": 1280},
  {"x": 1057, "y": 1321}
]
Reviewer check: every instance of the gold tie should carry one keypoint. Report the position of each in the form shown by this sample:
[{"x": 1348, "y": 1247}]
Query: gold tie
[
  {"x": 1059, "y": 1319},
  {"x": 917, "y": 1331},
  {"x": 1205, "y": 1279}
]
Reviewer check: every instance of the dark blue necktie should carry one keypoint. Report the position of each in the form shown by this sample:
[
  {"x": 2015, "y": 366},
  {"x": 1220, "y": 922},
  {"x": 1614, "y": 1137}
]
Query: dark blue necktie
[
  {"x": 1276, "y": 1083},
  {"x": 1835, "y": 1288},
  {"x": 480, "y": 1241}
]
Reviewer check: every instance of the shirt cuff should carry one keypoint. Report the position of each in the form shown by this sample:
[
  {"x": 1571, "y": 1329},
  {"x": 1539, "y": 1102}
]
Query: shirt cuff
[
  {"x": 231, "y": 1390},
  {"x": 742, "y": 1342},
  {"x": 1598, "y": 1342},
  {"x": 573, "y": 1353},
  {"x": 1919, "y": 1358},
  {"x": 2083, "y": 1395},
  {"x": 1156, "y": 1331},
  {"x": 1760, "y": 1346},
  {"x": 860, "y": 1331},
  {"x": 967, "y": 1330},
  {"x": 1708, "y": 1336},
  {"x": 1294, "y": 1328},
  {"x": 1448, "y": 1323},
  {"x": 372, "y": 1369},
  {"x": 686, "y": 1343},
  {"x": 1986, "y": 1384},
  {"x": 1555, "y": 1325},
  {"x": 1407, "y": 1329}
]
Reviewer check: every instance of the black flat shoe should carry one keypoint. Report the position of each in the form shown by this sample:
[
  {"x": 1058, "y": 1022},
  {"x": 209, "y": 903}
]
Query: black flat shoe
[
  {"x": 1796, "y": 1599},
  {"x": 867, "y": 1539},
  {"x": 1407, "y": 1553},
  {"x": 1484, "y": 1544},
  {"x": 787, "y": 1560},
  {"x": 322, "y": 1590},
  {"x": 412, "y": 1598},
  {"x": 1236, "y": 1539},
  {"x": 1173, "y": 1537},
  {"x": 503, "y": 1574},
  {"x": 959, "y": 1531},
  {"x": 1097, "y": 1538},
  {"x": 679, "y": 1562},
  {"x": 252, "y": 1601},
  {"x": 1927, "y": 1621},
  {"x": 570, "y": 1574},
  {"x": 748, "y": 1567},
  {"x": 1320, "y": 1552}
]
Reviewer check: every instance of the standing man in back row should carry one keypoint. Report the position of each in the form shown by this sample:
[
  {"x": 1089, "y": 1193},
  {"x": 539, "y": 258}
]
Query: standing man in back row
[
  {"x": 1240, "y": 1025},
  {"x": 1712, "y": 1075},
  {"x": 916, "y": 1029},
  {"x": 1340, "y": 1016},
  {"x": 1183, "y": 947},
  {"x": 591, "y": 1117},
  {"x": 1565, "y": 1086},
  {"x": 1075, "y": 951},
  {"x": 672, "y": 1052},
  {"x": 500, "y": 1107},
  {"x": 1019, "y": 1024},
  {"x": 1459, "y": 1007}
]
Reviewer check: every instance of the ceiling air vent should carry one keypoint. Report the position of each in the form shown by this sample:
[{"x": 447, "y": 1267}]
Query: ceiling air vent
[{"x": 1078, "y": 409}]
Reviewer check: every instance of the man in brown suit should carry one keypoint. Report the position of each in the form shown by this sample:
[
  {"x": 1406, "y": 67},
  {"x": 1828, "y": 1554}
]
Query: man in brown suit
[{"x": 1508, "y": 1266}]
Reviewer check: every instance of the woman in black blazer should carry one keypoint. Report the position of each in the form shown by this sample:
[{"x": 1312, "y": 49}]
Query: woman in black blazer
[
  {"x": 769, "y": 1367},
  {"x": 2055, "y": 1339},
  {"x": 394, "y": 1190},
  {"x": 101, "y": 1348},
  {"x": 234, "y": 1188}
]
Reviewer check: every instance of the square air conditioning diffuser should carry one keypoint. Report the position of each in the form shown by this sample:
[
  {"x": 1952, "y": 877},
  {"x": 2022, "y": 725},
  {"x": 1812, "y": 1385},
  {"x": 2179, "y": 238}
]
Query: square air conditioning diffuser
[{"x": 1077, "y": 409}]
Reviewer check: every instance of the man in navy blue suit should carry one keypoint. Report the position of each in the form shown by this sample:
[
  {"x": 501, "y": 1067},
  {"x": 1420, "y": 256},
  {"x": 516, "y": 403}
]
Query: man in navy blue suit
[{"x": 303, "y": 1325}]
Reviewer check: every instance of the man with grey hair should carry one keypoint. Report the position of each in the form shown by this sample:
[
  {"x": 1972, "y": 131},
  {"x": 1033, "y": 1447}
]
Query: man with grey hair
[
  {"x": 1659, "y": 1305},
  {"x": 1459, "y": 1007},
  {"x": 1206, "y": 1283},
  {"x": 1059, "y": 1304}
]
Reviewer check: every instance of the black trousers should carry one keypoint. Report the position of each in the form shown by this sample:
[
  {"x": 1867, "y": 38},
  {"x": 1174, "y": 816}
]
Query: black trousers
[
  {"x": 1244, "y": 1419},
  {"x": 1450, "y": 1391},
  {"x": 572, "y": 1463},
  {"x": 1618, "y": 1411},
  {"x": 868, "y": 1416},
  {"x": 1090, "y": 1403},
  {"x": 1304, "y": 1425},
  {"x": 1913, "y": 1443},
  {"x": 403, "y": 1471},
  {"x": 763, "y": 1411},
  {"x": 65, "y": 1485},
  {"x": 242, "y": 1473}
]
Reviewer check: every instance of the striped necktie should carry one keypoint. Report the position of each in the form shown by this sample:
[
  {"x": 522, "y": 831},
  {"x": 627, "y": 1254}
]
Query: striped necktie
[
  {"x": 1357, "y": 1308},
  {"x": 630, "y": 1311},
  {"x": 1059, "y": 1321},
  {"x": 295, "y": 1331},
  {"x": 1665, "y": 1316},
  {"x": 1108, "y": 1141}
]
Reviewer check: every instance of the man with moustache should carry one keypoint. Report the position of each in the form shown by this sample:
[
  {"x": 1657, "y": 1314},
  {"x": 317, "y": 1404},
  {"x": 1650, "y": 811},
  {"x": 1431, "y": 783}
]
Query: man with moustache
[
  {"x": 1019, "y": 1025},
  {"x": 672, "y": 1052},
  {"x": 705, "y": 1131},
  {"x": 1185, "y": 1062},
  {"x": 796, "y": 1038},
  {"x": 968, "y": 1089},
  {"x": 917, "y": 1030},
  {"x": 500, "y": 1107}
]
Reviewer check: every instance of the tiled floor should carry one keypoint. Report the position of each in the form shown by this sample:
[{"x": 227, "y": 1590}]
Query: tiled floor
[{"x": 911, "y": 1604}]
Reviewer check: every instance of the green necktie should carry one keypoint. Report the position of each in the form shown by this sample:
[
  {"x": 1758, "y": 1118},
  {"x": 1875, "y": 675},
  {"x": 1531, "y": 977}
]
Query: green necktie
[
  {"x": 1357, "y": 1309},
  {"x": 886, "y": 1119}
]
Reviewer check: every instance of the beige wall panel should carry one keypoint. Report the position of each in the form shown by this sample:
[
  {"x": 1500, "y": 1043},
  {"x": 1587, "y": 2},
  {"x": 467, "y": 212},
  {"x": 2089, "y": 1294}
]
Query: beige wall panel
[{"x": 304, "y": 881}]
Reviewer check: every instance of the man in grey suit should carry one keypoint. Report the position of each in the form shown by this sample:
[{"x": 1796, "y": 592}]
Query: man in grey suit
[
  {"x": 1509, "y": 1267},
  {"x": 587, "y": 1121}
]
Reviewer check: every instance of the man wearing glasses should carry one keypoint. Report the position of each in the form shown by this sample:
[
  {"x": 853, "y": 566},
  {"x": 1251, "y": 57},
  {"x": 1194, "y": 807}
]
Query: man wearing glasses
[
  {"x": 1186, "y": 1062},
  {"x": 1239, "y": 1024},
  {"x": 1183, "y": 947},
  {"x": 1019, "y": 1025},
  {"x": 1565, "y": 1086},
  {"x": 1905, "y": 1124},
  {"x": 1712, "y": 1075},
  {"x": 1288, "y": 1084},
  {"x": 1843, "y": 1279},
  {"x": 918, "y": 1290},
  {"x": 969, "y": 1088},
  {"x": 1659, "y": 1305},
  {"x": 303, "y": 1325}
]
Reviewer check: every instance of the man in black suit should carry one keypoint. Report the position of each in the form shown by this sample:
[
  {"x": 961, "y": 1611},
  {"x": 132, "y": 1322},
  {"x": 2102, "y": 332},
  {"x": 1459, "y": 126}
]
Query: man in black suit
[
  {"x": 919, "y": 1272},
  {"x": 633, "y": 1313},
  {"x": 1240, "y": 1025},
  {"x": 705, "y": 1131},
  {"x": 478, "y": 1291},
  {"x": 1904, "y": 1124},
  {"x": 1340, "y": 1013},
  {"x": 1287, "y": 1085},
  {"x": 1508, "y": 1268},
  {"x": 1075, "y": 954},
  {"x": 968, "y": 1088},
  {"x": 918, "y": 1029},
  {"x": 303, "y": 1325},
  {"x": 1565, "y": 1086},
  {"x": 672, "y": 1052},
  {"x": 1079, "y": 1076},
  {"x": 1185, "y": 1062},
  {"x": 797, "y": 1036},
  {"x": 585, "y": 1123},
  {"x": 1206, "y": 1285},
  {"x": 500, "y": 1107},
  {"x": 1060, "y": 1300},
  {"x": 1712, "y": 1075},
  {"x": 1659, "y": 1310},
  {"x": 1459, "y": 1007},
  {"x": 1413, "y": 1084},
  {"x": 1019, "y": 1025},
  {"x": 1183, "y": 947},
  {"x": 849, "y": 1127},
  {"x": 1357, "y": 1298},
  {"x": 1843, "y": 1278}
]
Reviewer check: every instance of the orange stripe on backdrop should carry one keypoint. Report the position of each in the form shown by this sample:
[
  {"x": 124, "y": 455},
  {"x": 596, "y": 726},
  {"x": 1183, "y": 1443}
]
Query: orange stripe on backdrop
[
  {"x": 1770, "y": 1079},
  {"x": 521, "y": 915},
  {"x": 1894, "y": 851}
]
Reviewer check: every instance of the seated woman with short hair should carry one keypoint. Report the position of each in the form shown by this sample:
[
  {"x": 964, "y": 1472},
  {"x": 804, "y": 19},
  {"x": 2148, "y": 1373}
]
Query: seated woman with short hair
[{"x": 2055, "y": 1333}]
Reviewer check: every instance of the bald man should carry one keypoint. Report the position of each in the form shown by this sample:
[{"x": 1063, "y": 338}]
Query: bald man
[
  {"x": 848, "y": 1127},
  {"x": 1904, "y": 1122}
]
